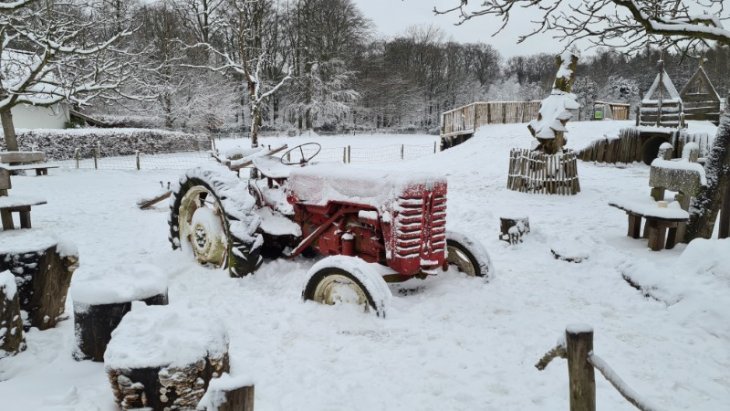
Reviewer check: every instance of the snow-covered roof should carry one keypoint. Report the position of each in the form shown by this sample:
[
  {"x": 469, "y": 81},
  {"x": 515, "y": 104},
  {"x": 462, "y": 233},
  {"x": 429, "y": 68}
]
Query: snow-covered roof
[{"x": 666, "y": 82}]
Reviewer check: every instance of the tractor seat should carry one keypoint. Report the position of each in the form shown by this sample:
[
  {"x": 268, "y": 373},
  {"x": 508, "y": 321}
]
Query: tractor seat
[{"x": 271, "y": 167}]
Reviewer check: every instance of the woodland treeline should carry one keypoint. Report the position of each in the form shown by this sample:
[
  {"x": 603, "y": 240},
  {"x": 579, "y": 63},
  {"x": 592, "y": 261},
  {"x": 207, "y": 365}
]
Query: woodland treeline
[{"x": 342, "y": 75}]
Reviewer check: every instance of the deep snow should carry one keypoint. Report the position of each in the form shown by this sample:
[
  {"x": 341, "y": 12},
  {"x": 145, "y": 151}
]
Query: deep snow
[{"x": 451, "y": 343}]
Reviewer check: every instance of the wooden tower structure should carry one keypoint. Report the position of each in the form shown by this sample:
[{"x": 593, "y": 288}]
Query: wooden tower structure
[
  {"x": 662, "y": 105},
  {"x": 701, "y": 100}
]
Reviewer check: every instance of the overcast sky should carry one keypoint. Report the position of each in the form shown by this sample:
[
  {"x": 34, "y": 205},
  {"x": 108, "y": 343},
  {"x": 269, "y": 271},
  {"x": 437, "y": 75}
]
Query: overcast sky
[{"x": 393, "y": 17}]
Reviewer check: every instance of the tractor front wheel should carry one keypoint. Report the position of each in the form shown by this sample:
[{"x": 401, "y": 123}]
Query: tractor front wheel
[
  {"x": 468, "y": 256},
  {"x": 211, "y": 213},
  {"x": 348, "y": 280}
]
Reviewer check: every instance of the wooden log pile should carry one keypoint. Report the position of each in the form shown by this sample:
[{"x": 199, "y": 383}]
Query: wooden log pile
[
  {"x": 43, "y": 268},
  {"x": 536, "y": 172},
  {"x": 11, "y": 324},
  {"x": 512, "y": 229},
  {"x": 162, "y": 357}
]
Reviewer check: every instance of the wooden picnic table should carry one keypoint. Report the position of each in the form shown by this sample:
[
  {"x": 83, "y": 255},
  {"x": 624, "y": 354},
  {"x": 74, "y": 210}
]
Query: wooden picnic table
[
  {"x": 41, "y": 169},
  {"x": 661, "y": 223},
  {"x": 20, "y": 205}
]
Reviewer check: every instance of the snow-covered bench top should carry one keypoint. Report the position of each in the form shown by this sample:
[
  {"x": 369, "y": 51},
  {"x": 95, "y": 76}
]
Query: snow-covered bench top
[
  {"x": 647, "y": 207},
  {"x": 19, "y": 201},
  {"x": 117, "y": 284},
  {"x": 33, "y": 166},
  {"x": 165, "y": 335},
  {"x": 319, "y": 184}
]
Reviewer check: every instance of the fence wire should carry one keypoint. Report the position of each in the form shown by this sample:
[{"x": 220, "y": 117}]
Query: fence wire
[{"x": 186, "y": 160}]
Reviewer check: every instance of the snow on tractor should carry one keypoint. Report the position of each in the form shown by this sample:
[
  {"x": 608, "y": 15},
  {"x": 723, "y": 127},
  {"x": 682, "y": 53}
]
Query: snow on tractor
[{"x": 371, "y": 226}]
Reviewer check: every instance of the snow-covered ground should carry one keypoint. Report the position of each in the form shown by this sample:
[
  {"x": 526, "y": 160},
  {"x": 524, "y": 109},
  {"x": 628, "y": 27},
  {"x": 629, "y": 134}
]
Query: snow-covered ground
[{"x": 453, "y": 343}]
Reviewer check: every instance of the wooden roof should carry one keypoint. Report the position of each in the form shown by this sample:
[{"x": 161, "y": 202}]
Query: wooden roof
[{"x": 699, "y": 88}]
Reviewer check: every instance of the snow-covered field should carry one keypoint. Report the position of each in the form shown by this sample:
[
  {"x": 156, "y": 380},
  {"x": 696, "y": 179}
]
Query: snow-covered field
[{"x": 453, "y": 343}]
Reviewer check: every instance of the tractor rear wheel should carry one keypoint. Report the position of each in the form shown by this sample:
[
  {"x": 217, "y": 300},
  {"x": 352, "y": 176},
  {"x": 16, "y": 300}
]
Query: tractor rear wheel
[
  {"x": 347, "y": 280},
  {"x": 467, "y": 255},
  {"x": 211, "y": 213}
]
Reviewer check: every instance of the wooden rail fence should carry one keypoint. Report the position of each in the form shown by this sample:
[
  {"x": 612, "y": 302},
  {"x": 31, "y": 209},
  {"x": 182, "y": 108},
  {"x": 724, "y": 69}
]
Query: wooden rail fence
[
  {"x": 466, "y": 119},
  {"x": 578, "y": 350}
]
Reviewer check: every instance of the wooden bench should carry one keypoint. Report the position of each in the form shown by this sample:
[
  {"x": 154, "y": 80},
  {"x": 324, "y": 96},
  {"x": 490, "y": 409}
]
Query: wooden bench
[
  {"x": 25, "y": 160},
  {"x": 41, "y": 169},
  {"x": 661, "y": 223},
  {"x": 20, "y": 205}
]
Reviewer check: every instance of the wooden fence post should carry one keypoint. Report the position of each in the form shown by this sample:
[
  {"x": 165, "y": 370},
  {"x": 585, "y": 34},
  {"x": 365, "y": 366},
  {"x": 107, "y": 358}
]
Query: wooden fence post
[
  {"x": 349, "y": 154},
  {"x": 402, "y": 151},
  {"x": 725, "y": 214},
  {"x": 435, "y": 147},
  {"x": 344, "y": 155},
  {"x": 97, "y": 152},
  {"x": 136, "y": 154},
  {"x": 579, "y": 343},
  {"x": 77, "y": 156}
]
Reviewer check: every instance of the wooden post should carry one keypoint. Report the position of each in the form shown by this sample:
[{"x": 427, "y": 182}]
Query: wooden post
[
  {"x": 349, "y": 154},
  {"x": 579, "y": 343},
  {"x": 97, "y": 151},
  {"x": 725, "y": 214},
  {"x": 136, "y": 155},
  {"x": 434, "y": 147},
  {"x": 402, "y": 151},
  {"x": 234, "y": 399},
  {"x": 344, "y": 155},
  {"x": 77, "y": 156}
]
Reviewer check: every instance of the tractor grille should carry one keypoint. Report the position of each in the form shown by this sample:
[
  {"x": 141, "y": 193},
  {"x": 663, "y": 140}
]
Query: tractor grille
[{"x": 421, "y": 225}]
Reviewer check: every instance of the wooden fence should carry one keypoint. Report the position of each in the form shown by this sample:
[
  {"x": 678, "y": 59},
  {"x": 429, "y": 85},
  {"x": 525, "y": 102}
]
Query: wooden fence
[
  {"x": 578, "y": 350},
  {"x": 536, "y": 172},
  {"x": 637, "y": 144},
  {"x": 466, "y": 119}
]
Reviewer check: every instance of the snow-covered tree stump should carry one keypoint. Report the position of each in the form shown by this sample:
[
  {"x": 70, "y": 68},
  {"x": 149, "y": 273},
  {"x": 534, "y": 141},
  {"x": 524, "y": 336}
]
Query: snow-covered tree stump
[
  {"x": 11, "y": 324},
  {"x": 163, "y": 357},
  {"x": 513, "y": 229},
  {"x": 228, "y": 394},
  {"x": 102, "y": 298},
  {"x": 43, "y": 267}
]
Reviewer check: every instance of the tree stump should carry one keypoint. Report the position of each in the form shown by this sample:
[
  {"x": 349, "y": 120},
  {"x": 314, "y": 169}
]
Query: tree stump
[
  {"x": 11, "y": 324},
  {"x": 42, "y": 267},
  {"x": 228, "y": 394},
  {"x": 513, "y": 229},
  {"x": 163, "y": 357},
  {"x": 101, "y": 299}
]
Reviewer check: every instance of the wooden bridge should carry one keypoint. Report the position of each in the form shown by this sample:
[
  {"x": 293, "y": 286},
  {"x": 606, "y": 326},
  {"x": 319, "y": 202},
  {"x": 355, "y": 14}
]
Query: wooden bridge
[
  {"x": 463, "y": 121},
  {"x": 459, "y": 124}
]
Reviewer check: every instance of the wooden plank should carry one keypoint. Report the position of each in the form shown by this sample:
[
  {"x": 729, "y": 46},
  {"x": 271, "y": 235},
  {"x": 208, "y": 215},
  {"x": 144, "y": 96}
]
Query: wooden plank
[{"x": 22, "y": 156}]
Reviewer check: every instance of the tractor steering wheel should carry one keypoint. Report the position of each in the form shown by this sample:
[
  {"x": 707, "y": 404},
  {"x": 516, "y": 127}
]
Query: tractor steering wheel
[{"x": 304, "y": 160}]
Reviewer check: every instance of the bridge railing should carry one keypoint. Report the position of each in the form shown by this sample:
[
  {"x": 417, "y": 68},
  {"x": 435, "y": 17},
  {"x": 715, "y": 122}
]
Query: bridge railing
[{"x": 466, "y": 119}]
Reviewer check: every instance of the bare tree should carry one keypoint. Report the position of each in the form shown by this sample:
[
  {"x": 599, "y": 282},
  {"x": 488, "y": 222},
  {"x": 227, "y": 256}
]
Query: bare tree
[
  {"x": 634, "y": 25},
  {"x": 245, "y": 53},
  {"x": 47, "y": 57}
]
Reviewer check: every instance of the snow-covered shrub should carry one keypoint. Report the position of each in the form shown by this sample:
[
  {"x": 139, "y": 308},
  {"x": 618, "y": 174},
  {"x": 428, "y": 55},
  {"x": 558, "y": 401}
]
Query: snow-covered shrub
[{"x": 61, "y": 144}]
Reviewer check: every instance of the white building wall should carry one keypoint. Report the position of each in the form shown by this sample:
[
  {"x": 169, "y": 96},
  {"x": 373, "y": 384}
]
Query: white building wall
[{"x": 26, "y": 116}]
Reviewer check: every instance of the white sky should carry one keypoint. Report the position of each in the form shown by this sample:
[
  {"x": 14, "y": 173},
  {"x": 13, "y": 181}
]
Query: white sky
[{"x": 393, "y": 17}]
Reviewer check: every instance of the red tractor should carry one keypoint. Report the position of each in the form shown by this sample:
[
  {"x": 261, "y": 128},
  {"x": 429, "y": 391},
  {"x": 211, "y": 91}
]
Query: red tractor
[{"x": 371, "y": 226}]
